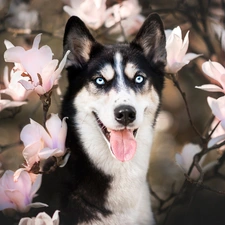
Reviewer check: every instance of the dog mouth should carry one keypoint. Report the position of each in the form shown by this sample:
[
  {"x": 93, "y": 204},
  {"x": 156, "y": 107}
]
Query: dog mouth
[{"x": 122, "y": 143}]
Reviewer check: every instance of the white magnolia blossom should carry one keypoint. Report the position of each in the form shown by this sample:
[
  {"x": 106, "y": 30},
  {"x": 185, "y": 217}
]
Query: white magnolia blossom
[
  {"x": 176, "y": 50},
  {"x": 41, "y": 219}
]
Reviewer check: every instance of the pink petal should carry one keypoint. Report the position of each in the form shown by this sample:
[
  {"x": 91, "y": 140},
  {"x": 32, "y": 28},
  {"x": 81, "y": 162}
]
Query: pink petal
[
  {"x": 30, "y": 153},
  {"x": 23, "y": 184},
  {"x": 36, "y": 185},
  {"x": 37, "y": 205},
  {"x": 40, "y": 90},
  {"x": 174, "y": 67},
  {"x": 14, "y": 54},
  {"x": 55, "y": 218},
  {"x": 190, "y": 56},
  {"x": 26, "y": 84},
  {"x": 210, "y": 87},
  {"x": 17, "y": 174},
  {"x": 8, "y": 44},
  {"x": 53, "y": 125},
  {"x": 217, "y": 106},
  {"x": 215, "y": 140},
  {"x": 6, "y": 76},
  {"x": 32, "y": 132},
  {"x": 62, "y": 63},
  {"x": 18, "y": 199},
  {"x": 36, "y": 42},
  {"x": 26, "y": 221},
  {"x": 45, "y": 218},
  {"x": 184, "y": 48},
  {"x": 45, "y": 153},
  {"x": 210, "y": 69},
  {"x": 5, "y": 202}
]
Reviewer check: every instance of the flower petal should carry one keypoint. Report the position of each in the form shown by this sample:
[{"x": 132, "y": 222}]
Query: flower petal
[
  {"x": 36, "y": 185},
  {"x": 215, "y": 140},
  {"x": 210, "y": 87},
  {"x": 36, "y": 42},
  {"x": 8, "y": 44},
  {"x": 14, "y": 54}
]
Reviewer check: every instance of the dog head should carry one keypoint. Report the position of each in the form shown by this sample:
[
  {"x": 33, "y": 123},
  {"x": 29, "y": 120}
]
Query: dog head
[{"x": 115, "y": 89}]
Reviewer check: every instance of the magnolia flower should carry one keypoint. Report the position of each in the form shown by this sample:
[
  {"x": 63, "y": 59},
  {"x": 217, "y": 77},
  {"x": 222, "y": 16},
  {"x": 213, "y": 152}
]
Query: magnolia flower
[
  {"x": 13, "y": 87},
  {"x": 42, "y": 219},
  {"x": 176, "y": 50},
  {"x": 41, "y": 144},
  {"x": 18, "y": 195},
  {"x": 92, "y": 12},
  {"x": 5, "y": 103},
  {"x": 185, "y": 159},
  {"x": 216, "y": 71},
  {"x": 121, "y": 11},
  {"x": 218, "y": 109},
  {"x": 35, "y": 64}
]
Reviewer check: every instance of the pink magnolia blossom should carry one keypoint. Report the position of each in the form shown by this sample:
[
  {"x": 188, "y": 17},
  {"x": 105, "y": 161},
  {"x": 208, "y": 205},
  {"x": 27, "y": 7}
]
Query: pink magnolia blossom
[
  {"x": 42, "y": 219},
  {"x": 216, "y": 71},
  {"x": 41, "y": 144},
  {"x": 36, "y": 64},
  {"x": 92, "y": 12},
  {"x": 13, "y": 87},
  {"x": 18, "y": 195},
  {"x": 218, "y": 109},
  {"x": 185, "y": 158},
  {"x": 176, "y": 50}
]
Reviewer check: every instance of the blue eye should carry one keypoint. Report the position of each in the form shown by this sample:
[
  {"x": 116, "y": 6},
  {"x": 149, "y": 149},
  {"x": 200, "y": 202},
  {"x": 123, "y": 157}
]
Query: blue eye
[
  {"x": 100, "y": 81},
  {"x": 139, "y": 79}
]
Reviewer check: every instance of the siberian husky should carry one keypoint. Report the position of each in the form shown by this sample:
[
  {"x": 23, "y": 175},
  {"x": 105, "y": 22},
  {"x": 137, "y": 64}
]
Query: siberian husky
[{"x": 112, "y": 102}]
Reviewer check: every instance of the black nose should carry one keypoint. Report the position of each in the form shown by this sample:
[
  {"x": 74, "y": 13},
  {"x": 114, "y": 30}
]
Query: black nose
[{"x": 125, "y": 114}]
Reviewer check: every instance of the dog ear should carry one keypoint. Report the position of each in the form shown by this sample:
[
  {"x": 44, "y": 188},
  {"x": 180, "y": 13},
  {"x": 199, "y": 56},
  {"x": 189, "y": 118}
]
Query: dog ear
[
  {"x": 151, "y": 38},
  {"x": 77, "y": 39}
]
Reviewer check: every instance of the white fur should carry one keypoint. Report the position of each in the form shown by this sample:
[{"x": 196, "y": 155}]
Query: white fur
[{"x": 128, "y": 197}]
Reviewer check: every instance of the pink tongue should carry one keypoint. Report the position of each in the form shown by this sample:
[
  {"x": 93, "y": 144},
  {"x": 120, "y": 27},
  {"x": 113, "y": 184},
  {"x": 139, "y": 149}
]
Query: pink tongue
[{"x": 123, "y": 144}]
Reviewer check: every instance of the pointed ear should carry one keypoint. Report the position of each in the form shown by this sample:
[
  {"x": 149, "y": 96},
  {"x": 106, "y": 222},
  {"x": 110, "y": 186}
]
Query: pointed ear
[
  {"x": 151, "y": 38},
  {"x": 77, "y": 39}
]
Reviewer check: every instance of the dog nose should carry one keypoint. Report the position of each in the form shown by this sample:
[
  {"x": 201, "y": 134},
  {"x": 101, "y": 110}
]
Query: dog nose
[{"x": 125, "y": 114}]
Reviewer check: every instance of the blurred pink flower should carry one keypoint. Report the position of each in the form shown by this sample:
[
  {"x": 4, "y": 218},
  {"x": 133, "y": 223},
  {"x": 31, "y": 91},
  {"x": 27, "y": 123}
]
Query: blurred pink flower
[
  {"x": 124, "y": 10},
  {"x": 218, "y": 109},
  {"x": 18, "y": 195},
  {"x": 216, "y": 71},
  {"x": 185, "y": 158},
  {"x": 42, "y": 219},
  {"x": 176, "y": 50},
  {"x": 13, "y": 87},
  {"x": 92, "y": 12},
  {"x": 41, "y": 144},
  {"x": 35, "y": 64},
  {"x": 5, "y": 103}
]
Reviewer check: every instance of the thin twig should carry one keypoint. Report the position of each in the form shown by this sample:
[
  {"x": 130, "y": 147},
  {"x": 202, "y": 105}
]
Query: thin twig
[{"x": 183, "y": 95}]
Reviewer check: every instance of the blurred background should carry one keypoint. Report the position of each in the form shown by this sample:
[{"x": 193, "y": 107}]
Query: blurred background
[{"x": 22, "y": 20}]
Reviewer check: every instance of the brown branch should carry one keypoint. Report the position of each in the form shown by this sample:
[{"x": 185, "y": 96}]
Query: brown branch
[{"x": 183, "y": 95}]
